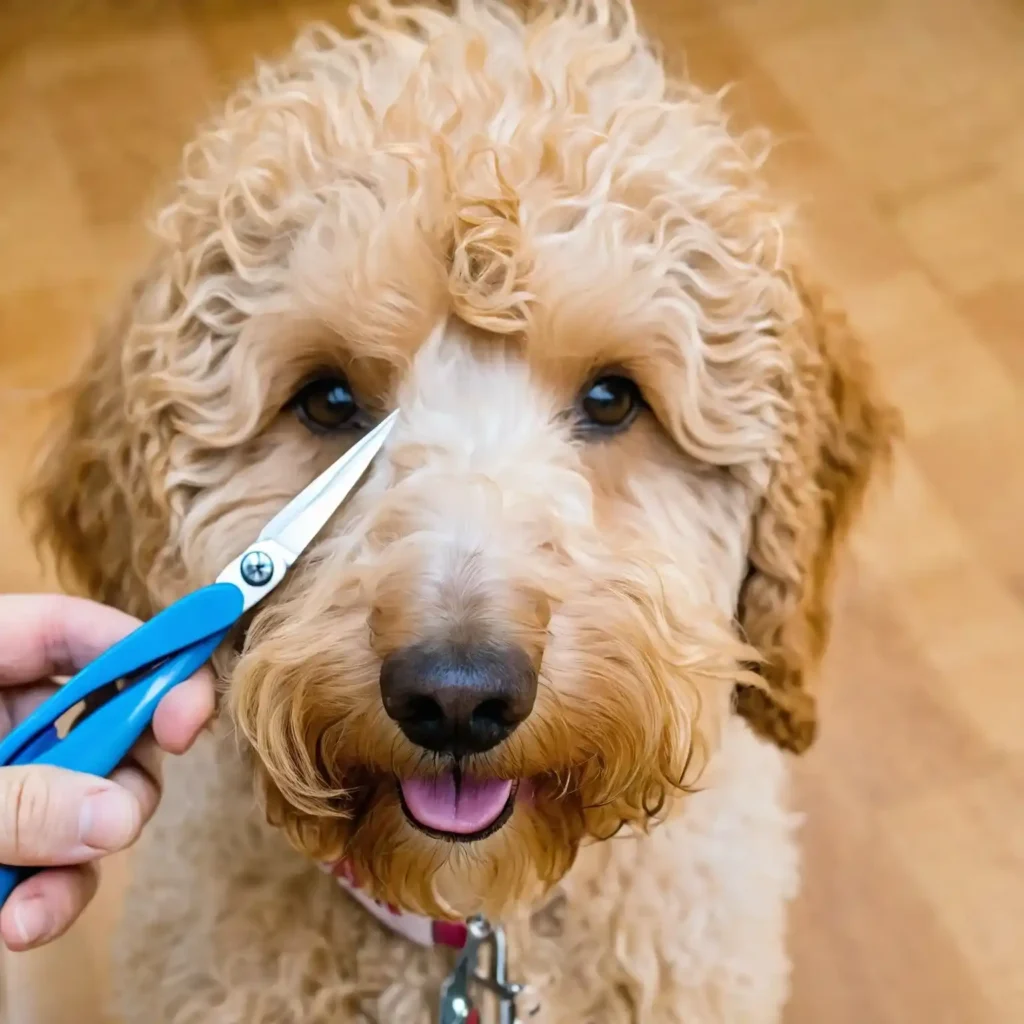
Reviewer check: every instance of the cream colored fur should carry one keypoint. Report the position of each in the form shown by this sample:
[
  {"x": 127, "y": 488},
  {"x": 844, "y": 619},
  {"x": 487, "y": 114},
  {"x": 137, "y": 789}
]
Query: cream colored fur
[
  {"x": 227, "y": 924},
  {"x": 471, "y": 216}
]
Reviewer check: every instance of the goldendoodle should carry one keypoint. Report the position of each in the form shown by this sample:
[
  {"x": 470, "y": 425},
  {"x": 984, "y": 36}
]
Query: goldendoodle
[{"x": 579, "y": 596}]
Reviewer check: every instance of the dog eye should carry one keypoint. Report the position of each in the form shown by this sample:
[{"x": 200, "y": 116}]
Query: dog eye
[
  {"x": 326, "y": 404},
  {"x": 610, "y": 402}
]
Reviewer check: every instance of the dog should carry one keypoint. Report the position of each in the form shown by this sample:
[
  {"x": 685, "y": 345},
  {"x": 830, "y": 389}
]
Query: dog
[{"x": 549, "y": 663}]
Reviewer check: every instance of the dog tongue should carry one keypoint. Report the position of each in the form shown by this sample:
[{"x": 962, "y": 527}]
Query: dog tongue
[{"x": 436, "y": 805}]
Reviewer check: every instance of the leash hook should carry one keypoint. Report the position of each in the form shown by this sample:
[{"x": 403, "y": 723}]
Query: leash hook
[{"x": 457, "y": 1004}]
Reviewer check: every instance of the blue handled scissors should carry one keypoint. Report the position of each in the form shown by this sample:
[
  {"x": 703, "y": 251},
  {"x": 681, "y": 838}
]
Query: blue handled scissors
[{"x": 121, "y": 689}]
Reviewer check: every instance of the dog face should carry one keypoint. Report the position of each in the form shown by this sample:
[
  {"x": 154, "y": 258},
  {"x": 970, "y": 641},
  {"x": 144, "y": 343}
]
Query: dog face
[{"x": 628, "y": 442}]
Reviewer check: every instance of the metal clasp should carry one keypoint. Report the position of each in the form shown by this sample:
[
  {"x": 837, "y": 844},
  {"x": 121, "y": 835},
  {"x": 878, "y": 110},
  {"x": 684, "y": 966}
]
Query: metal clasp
[{"x": 457, "y": 1003}]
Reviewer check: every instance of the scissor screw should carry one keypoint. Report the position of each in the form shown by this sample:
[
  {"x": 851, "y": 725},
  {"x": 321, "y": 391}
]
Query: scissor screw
[{"x": 257, "y": 568}]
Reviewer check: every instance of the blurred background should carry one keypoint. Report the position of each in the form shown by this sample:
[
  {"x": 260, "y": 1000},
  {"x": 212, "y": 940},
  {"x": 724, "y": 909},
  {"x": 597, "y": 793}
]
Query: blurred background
[{"x": 901, "y": 134}]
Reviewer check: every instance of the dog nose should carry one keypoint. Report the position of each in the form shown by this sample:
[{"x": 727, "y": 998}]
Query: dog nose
[{"x": 458, "y": 698}]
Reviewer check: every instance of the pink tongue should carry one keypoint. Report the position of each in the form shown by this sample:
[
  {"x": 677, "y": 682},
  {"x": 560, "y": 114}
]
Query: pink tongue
[{"x": 433, "y": 803}]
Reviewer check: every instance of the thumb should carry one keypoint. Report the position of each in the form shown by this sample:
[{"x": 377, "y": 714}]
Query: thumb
[{"x": 51, "y": 816}]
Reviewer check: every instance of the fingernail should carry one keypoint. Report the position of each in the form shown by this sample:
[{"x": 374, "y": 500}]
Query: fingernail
[
  {"x": 109, "y": 820},
  {"x": 32, "y": 921}
]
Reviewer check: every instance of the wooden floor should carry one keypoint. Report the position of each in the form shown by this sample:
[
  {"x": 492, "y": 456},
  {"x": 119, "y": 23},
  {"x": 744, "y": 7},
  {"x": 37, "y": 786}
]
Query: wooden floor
[{"x": 901, "y": 125}]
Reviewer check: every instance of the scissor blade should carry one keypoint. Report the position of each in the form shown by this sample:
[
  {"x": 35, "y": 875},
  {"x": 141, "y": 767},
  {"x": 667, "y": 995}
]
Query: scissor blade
[{"x": 295, "y": 526}]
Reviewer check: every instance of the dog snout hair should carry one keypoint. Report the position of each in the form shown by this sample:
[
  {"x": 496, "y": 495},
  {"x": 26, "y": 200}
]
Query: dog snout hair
[{"x": 458, "y": 698}]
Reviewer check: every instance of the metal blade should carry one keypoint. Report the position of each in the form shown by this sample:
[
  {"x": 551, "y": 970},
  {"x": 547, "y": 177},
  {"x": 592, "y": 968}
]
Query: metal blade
[{"x": 295, "y": 526}]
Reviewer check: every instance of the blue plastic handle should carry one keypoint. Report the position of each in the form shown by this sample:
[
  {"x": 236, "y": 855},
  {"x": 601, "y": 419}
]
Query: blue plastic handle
[
  {"x": 104, "y": 739},
  {"x": 201, "y": 614}
]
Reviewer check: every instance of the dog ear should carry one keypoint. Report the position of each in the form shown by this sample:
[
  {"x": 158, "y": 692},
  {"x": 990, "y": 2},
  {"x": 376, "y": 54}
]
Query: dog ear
[
  {"x": 90, "y": 499},
  {"x": 838, "y": 433}
]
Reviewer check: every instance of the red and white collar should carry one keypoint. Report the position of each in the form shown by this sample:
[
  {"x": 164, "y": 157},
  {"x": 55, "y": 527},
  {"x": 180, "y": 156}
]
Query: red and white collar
[{"x": 424, "y": 931}]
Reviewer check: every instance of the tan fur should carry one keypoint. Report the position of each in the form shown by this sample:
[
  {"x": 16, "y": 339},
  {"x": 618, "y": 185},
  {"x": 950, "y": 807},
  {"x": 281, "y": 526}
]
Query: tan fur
[
  {"x": 841, "y": 431},
  {"x": 471, "y": 216}
]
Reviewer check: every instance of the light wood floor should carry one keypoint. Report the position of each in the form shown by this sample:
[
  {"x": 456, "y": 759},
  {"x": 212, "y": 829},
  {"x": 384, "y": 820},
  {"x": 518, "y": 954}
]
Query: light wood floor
[{"x": 902, "y": 123}]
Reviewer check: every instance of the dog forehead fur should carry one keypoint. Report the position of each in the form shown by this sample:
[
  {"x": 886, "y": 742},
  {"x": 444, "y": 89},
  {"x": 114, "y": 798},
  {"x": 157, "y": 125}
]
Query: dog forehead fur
[{"x": 471, "y": 216}]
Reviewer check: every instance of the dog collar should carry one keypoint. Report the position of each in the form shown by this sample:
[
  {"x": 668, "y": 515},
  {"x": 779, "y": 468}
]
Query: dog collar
[
  {"x": 424, "y": 931},
  {"x": 467, "y": 938}
]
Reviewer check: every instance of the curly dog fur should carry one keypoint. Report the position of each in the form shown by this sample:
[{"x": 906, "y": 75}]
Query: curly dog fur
[{"x": 471, "y": 216}]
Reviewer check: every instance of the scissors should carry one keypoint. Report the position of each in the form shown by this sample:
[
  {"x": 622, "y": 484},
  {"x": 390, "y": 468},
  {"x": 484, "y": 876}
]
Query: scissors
[{"x": 118, "y": 692}]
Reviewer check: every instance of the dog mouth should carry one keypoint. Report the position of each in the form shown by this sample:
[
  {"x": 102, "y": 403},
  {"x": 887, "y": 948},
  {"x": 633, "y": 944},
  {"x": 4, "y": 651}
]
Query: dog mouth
[{"x": 458, "y": 808}]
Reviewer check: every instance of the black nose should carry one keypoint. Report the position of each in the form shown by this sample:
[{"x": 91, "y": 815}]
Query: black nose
[{"x": 458, "y": 698}]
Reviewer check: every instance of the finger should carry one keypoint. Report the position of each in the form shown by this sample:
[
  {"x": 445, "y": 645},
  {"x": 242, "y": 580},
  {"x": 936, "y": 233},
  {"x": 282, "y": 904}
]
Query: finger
[
  {"x": 21, "y": 701},
  {"x": 141, "y": 786},
  {"x": 183, "y": 713},
  {"x": 53, "y": 634},
  {"x": 42, "y": 908},
  {"x": 18, "y": 702},
  {"x": 149, "y": 758},
  {"x": 142, "y": 776},
  {"x": 51, "y": 816}
]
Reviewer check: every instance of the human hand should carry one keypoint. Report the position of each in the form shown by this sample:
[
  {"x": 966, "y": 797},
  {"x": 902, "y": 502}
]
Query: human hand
[{"x": 59, "y": 819}]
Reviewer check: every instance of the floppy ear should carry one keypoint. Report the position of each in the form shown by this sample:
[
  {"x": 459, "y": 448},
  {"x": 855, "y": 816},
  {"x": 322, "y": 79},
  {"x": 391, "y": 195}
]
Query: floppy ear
[
  {"x": 90, "y": 498},
  {"x": 838, "y": 433}
]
